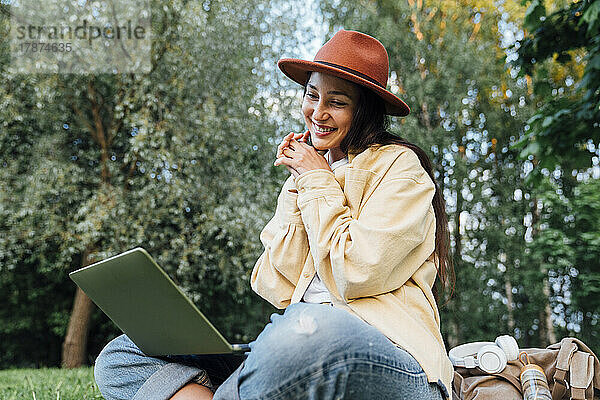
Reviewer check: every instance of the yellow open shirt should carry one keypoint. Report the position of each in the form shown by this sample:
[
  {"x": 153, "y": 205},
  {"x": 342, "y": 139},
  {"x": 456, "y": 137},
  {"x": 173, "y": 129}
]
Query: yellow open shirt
[{"x": 369, "y": 230}]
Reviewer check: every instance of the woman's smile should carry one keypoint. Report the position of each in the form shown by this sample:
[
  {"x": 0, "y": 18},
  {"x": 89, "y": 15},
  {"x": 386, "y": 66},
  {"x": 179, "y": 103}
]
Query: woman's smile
[{"x": 321, "y": 130}]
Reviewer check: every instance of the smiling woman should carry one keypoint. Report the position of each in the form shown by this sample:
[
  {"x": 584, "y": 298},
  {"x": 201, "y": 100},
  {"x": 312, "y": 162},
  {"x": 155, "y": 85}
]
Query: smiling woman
[{"x": 352, "y": 253}]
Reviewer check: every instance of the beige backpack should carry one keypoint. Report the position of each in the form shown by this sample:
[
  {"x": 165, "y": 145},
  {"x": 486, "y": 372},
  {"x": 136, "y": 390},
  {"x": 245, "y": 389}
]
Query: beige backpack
[{"x": 571, "y": 368}]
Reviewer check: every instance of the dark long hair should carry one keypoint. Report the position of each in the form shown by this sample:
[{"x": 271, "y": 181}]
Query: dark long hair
[{"x": 369, "y": 127}]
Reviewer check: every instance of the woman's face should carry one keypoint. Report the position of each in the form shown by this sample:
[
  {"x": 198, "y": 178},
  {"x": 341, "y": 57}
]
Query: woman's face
[{"x": 328, "y": 107}]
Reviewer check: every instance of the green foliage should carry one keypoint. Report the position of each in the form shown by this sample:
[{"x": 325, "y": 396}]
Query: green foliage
[
  {"x": 567, "y": 246},
  {"x": 48, "y": 384},
  {"x": 578, "y": 224},
  {"x": 562, "y": 55},
  {"x": 534, "y": 15},
  {"x": 565, "y": 130}
]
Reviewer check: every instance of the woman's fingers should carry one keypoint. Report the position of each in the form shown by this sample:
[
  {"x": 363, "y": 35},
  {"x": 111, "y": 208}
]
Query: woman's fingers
[
  {"x": 301, "y": 137},
  {"x": 296, "y": 144},
  {"x": 280, "y": 161},
  {"x": 284, "y": 144},
  {"x": 283, "y": 151},
  {"x": 290, "y": 141}
]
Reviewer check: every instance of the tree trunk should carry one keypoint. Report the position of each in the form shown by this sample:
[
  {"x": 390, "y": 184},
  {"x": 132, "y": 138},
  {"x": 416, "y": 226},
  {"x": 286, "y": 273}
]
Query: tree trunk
[
  {"x": 75, "y": 344},
  {"x": 509, "y": 304},
  {"x": 550, "y": 335},
  {"x": 547, "y": 334},
  {"x": 455, "y": 333}
]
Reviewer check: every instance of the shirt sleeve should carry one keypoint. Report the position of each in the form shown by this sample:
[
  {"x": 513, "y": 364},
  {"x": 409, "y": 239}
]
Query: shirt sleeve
[
  {"x": 285, "y": 242},
  {"x": 378, "y": 251}
]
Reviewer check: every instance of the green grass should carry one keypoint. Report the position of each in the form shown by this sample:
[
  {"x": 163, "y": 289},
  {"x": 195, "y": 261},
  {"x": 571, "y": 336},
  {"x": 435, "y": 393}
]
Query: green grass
[{"x": 48, "y": 384}]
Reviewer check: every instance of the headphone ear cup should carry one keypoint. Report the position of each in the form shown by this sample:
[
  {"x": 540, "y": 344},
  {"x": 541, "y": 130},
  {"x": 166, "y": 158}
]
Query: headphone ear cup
[
  {"x": 491, "y": 359},
  {"x": 509, "y": 345}
]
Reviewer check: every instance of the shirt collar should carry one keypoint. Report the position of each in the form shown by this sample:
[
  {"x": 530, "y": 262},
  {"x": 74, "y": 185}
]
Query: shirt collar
[{"x": 350, "y": 156}]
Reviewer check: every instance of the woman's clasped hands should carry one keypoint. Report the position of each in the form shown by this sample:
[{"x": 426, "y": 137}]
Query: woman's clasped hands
[{"x": 298, "y": 156}]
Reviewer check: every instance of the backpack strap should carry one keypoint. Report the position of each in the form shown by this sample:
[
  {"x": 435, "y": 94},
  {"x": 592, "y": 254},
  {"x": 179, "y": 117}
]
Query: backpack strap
[
  {"x": 458, "y": 386},
  {"x": 596, "y": 372},
  {"x": 563, "y": 359},
  {"x": 581, "y": 374}
]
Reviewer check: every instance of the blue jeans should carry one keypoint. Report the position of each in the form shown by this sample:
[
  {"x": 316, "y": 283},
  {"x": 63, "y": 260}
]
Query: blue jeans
[{"x": 312, "y": 351}]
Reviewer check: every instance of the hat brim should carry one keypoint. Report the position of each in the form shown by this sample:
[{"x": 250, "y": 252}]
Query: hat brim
[{"x": 298, "y": 71}]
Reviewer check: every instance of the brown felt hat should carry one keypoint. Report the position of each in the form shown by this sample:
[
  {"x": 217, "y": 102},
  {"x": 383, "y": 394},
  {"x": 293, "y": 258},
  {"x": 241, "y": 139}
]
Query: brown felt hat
[{"x": 353, "y": 56}]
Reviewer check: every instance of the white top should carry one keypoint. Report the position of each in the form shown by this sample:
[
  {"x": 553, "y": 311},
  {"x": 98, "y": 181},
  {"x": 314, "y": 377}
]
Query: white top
[{"x": 316, "y": 292}]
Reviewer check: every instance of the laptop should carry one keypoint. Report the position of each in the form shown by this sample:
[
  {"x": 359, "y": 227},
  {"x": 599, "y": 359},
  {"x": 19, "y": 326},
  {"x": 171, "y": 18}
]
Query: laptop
[{"x": 139, "y": 297}]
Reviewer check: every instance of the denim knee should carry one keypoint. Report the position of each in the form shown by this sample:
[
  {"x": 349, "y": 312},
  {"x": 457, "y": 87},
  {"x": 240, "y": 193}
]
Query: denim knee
[
  {"x": 318, "y": 352},
  {"x": 318, "y": 328},
  {"x": 123, "y": 371},
  {"x": 112, "y": 370},
  {"x": 318, "y": 348}
]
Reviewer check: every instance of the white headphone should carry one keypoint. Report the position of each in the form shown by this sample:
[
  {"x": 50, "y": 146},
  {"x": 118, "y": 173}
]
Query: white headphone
[{"x": 490, "y": 357}]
